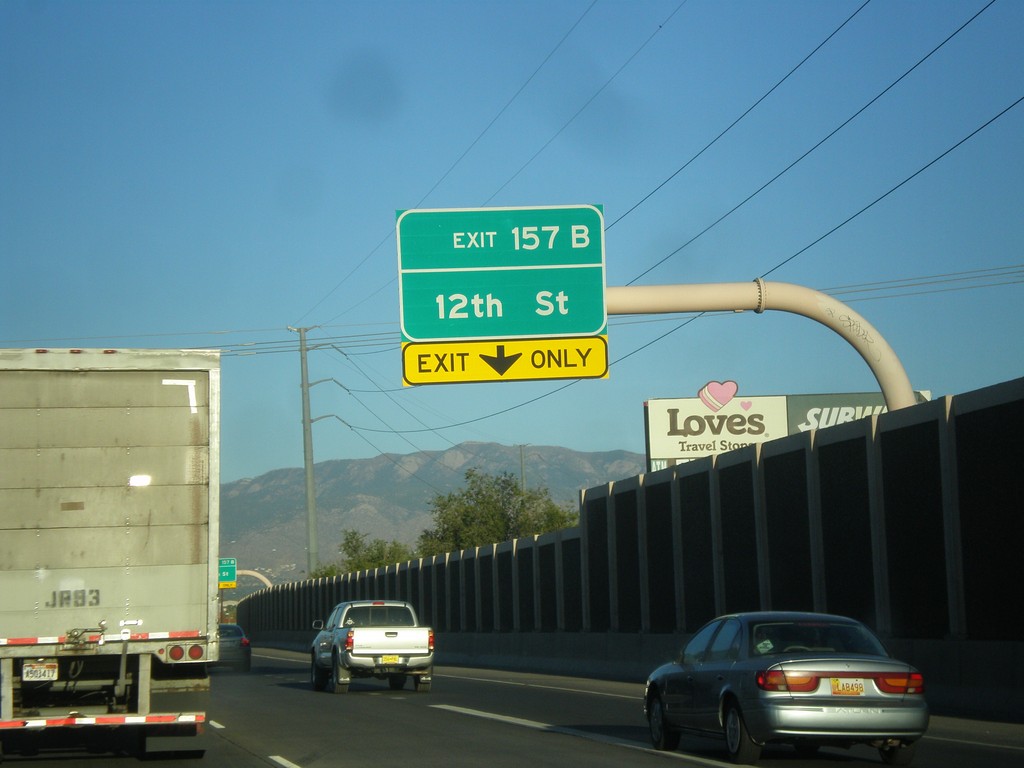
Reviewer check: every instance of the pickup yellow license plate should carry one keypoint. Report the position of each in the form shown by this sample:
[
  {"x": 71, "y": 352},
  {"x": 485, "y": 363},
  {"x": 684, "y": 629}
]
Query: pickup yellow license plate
[
  {"x": 847, "y": 686},
  {"x": 388, "y": 659}
]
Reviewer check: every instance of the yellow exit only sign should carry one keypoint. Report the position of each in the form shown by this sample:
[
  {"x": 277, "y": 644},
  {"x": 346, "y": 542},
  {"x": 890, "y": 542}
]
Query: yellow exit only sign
[{"x": 465, "y": 362}]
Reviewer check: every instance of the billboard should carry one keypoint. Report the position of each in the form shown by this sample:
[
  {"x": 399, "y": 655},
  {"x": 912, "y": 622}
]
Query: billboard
[{"x": 719, "y": 419}]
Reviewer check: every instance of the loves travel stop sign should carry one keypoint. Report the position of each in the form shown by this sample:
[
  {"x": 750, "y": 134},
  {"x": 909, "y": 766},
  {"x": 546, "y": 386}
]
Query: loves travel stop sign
[{"x": 502, "y": 294}]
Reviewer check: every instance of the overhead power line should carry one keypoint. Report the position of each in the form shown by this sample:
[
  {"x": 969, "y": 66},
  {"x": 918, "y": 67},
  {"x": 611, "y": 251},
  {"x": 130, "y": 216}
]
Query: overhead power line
[
  {"x": 995, "y": 276},
  {"x": 733, "y": 124},
  {"x": 586, "y": 104},
  {"x": 369, "y": 296},
  {"x": 355, "y": 345},
  {"x": 803, "y": 156},
  {"x": 905, "y": 181},
  {"x": 445, "y": 175}
]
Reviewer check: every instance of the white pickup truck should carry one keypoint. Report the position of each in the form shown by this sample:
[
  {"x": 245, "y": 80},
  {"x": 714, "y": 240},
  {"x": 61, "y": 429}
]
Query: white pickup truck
[{"x": 371, "y": 638}]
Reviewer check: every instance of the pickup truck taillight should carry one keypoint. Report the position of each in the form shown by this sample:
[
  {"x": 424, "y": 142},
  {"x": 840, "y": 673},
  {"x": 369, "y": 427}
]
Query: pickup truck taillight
[
  {"x": 430, "y": 641},
  {"x": 349, "y": 640}
]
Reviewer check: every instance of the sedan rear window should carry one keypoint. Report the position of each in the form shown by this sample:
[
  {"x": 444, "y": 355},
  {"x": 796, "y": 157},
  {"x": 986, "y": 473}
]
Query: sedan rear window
[{"x": 773, "y": 638}]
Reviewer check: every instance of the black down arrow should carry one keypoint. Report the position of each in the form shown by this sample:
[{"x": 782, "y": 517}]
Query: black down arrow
[{"x": 501, "y": 362}]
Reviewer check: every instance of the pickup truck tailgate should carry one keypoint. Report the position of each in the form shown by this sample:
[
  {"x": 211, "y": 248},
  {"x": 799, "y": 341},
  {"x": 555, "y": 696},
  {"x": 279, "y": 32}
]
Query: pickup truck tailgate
[{"x": 404, "y": 641}]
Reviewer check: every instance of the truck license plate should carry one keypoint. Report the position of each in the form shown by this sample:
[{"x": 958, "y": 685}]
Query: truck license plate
[
  {"x": 39, "y": 671},
  {"x": 389, "y": 659}
]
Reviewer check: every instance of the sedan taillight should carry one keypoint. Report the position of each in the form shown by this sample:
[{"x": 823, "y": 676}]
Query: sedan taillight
[
  {"x": 802, "y": 682},
  {"x": 781, "y": 680},
  {"x": 908, "y": 682}
]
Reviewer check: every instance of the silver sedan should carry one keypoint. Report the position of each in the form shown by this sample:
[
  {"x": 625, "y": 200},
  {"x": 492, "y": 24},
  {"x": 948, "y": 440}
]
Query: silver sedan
[{"x": 806, "y": 679}]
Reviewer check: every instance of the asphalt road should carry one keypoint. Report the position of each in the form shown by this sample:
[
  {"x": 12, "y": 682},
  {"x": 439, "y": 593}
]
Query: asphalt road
[{"x": 271, "y": 717}]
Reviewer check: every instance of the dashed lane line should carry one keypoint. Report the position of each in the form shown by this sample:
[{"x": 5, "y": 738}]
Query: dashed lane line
[{"x": 600, "y": 738}]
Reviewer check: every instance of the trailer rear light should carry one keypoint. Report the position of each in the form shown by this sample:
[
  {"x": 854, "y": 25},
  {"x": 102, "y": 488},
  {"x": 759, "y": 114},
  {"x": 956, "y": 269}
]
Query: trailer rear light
[
  {"x": 909, "y": 682},
  {"x": 781, "y": 680},
  {"x": 179, "y": 652}
]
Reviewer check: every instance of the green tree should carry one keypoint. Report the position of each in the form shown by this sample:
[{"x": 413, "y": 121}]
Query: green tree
[
  {"x": 325, "y": 571},
  {"x": 490, "y": 509},
  {"x": 358, "y": 554}
]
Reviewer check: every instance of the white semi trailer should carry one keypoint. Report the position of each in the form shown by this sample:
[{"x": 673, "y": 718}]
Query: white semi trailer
[{"x": 109, "y": 521}]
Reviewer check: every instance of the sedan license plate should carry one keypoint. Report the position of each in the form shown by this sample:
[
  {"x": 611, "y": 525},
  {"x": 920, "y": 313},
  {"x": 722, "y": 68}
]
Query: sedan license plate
[
  {"x": 389, "y": 659},
  {"x": 39, "y": 671},
  {"x": 847, "y": 686}
]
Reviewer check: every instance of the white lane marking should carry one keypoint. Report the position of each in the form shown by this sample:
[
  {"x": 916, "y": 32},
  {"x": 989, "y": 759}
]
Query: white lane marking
[
  {"x": 927, "y": 736},
  {"x": 987, "y": 744},
  {"x": 280, "y": 658},
  {"x": 538, "y": 726},
  {"x": 543, "y": 687},
  {"x": 215, "y": 724},
  {"x": 489, "y": 680},
  {"x": 632, "y": 744},
  {"x": 283, "y": 762},
  {"x": 600, "y": 738}
]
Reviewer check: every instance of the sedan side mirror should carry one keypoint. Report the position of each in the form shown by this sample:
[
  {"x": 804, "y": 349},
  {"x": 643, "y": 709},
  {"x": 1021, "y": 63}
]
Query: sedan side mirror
[{"x": 318, "y": 624}]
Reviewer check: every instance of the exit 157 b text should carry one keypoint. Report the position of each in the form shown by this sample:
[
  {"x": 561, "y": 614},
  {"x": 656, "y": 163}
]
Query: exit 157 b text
[{"x": 525, "y": 238}]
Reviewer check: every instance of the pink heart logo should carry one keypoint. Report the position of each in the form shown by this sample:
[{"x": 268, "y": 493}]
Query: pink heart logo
[
  {"x": 745, "y": 405},
  {"x": 716, "y": 394}
]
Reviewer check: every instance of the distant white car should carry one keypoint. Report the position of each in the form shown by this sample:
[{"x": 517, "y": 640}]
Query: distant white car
[
  {"x": 807, "y": 679},
  {"x": 372, "y": 638}
]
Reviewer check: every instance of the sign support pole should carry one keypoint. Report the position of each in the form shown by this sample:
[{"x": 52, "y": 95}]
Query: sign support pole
[{"x": 786, "y": 297}]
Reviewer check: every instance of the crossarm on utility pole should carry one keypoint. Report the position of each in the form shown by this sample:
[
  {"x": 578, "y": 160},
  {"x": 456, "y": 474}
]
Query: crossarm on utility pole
[{"x": 760, "y": 296}]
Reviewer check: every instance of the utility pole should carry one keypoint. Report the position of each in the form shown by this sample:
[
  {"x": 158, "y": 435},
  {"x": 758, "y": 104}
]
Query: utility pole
[
  {"x": 522, "y": 471},
  {"x": 307, "y": 450}
]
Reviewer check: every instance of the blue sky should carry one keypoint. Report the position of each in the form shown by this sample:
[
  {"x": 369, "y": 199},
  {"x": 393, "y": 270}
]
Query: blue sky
[{"x": 206, "y": 174}]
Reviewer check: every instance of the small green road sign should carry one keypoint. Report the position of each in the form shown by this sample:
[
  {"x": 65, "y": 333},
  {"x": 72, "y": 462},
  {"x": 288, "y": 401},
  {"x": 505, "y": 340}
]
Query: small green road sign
[
  {"x": 501, "y": 273},
  {"x": 228, "y": 573}
]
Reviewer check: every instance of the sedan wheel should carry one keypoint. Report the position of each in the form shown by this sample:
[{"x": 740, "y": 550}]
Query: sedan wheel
[
  {"x": 661, "y": 736},
  {"x": 741, "y": 749}
]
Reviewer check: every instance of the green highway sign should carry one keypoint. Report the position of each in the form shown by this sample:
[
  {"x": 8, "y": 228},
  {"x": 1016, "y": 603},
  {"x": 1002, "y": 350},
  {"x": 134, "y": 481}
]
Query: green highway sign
[
  {"x": 227, "y": 577},
  {"x": 501, "y": 273}
]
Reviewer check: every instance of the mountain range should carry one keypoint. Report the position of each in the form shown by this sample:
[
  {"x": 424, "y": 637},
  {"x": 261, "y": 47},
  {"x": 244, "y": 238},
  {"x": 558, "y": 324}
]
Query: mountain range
[{"x": 263, "y": 519}]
